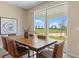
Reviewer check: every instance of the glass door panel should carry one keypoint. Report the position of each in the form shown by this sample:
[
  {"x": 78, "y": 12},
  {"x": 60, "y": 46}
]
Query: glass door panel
[
  {"x": 57, "y": 22},
  {"x": 39, "y": 23}
]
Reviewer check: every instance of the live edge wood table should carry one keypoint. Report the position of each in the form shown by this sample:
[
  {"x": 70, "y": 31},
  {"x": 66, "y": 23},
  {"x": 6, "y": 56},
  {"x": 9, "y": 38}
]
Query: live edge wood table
[{"x": 34, "y": 44}]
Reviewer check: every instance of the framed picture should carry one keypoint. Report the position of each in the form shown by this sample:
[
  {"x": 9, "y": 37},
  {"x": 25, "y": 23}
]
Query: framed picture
[{"x": 7, "y": 25}]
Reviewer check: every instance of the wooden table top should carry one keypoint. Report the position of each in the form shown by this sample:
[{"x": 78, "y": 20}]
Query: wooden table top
[{"x": 34, "y": 43}]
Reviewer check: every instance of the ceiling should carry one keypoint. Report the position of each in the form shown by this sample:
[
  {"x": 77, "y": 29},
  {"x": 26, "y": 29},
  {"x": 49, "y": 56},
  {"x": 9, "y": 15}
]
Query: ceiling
[
  {"x": 54, "y": 12},
  {"x": 24, "y": 4}
]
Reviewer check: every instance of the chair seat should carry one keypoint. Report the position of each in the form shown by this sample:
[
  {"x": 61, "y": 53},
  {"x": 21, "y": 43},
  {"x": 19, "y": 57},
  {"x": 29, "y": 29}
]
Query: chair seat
[
  {"x": 45, "y": 54},
  {"x": 21, "y": 50}
]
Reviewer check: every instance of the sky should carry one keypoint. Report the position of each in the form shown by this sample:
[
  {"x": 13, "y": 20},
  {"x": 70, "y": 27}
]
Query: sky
[
  {"x": 39, "y": 20},
  {"x": 57, "y": 19}
]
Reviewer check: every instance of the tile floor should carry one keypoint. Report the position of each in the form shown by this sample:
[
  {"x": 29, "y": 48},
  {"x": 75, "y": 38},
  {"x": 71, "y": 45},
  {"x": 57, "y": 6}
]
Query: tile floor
[{"x": 3, "y": 52}]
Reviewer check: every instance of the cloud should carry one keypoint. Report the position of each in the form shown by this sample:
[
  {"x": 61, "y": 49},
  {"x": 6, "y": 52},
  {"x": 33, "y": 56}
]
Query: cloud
[{"x": 38, "y": 21}]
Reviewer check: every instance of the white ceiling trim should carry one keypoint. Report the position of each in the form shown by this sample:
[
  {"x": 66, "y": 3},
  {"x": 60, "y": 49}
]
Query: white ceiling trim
[{"x": 24, "y": 4}]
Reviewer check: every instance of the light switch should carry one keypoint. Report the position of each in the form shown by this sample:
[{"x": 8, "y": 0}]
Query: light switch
[{"x": 77, "y": 29}]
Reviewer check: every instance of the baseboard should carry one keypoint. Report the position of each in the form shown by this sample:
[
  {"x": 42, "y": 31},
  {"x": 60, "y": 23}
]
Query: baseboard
[
  {"x": 68, "y": 53},
  {"x": 72, "y": 55}
]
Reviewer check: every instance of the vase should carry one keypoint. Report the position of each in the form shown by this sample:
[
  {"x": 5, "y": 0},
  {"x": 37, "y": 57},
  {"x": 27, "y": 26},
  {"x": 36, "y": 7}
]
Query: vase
[{"x": 25, "y": 34}]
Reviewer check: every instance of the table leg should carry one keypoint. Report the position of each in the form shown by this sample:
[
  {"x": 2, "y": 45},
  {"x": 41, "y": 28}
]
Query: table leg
[{"x": 36, "y": 54}]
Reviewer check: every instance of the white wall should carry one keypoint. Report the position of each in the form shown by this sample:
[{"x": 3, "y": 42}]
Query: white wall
[
  {"x": 73, "y": 28},
  {"x": 14, "y": 12}
]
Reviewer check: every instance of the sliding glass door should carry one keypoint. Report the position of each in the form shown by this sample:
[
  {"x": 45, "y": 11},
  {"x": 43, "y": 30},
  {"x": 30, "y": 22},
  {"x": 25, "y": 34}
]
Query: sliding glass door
[
  {"x": 57, "y": 22},
  {"x": 52, "y": 22},
  {"x": 39, "y": 23}
]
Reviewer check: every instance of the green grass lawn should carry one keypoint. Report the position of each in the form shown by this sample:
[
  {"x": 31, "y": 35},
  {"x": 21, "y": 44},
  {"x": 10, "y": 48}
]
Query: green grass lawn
[
  {"x": 51, "y": 30},
  {"x": 57, "y": 38},
  {"x": 40, "y": 31}
]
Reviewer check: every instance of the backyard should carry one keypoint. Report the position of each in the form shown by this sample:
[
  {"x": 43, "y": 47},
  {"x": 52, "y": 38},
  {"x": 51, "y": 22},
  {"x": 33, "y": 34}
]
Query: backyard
[
  {"x": 54, "y": 33},
  {"x": 57, "y": 27}
]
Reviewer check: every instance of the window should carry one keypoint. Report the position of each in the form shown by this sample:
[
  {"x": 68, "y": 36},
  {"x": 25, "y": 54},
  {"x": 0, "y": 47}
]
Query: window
[
  {"x": 51, "y": 22},
  {"x": 39, "y": 23}
]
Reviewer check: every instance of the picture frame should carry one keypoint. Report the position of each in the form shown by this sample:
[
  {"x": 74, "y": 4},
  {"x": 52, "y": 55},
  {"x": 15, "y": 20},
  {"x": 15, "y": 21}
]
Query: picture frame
[{"x": 8, "y": 25}]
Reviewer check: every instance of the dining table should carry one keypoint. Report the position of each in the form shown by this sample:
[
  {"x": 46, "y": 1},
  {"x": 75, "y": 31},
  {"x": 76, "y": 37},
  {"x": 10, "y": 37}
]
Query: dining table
[{"x": 34, "y": 44}]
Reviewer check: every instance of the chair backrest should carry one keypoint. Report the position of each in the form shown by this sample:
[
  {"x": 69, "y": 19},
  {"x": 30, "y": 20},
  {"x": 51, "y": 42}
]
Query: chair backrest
[
  {"x": 41, "y": 37},
  {"x": 13, "y": 34},
  {"x": 4, "y": 43},
  {"x": 58, "y": 50},
  {"x": 11, "y": 47}
]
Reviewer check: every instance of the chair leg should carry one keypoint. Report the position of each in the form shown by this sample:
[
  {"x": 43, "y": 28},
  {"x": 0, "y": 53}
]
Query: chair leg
[
  {"x": 18, "y": 57},
  {"x": 28, "y": 54},
  {"x": 4, "y": 55},
  {"x": 21, "y": 56},
  {"x": 33, "y": 53}
]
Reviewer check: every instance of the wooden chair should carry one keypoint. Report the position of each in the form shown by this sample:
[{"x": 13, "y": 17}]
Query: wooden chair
[
  {"x": 4, "y": 43},
  {"x": 13, "y": 34},
  {"x": 41, "y": 37},
  {"x": 4, "y": 46},
  {"x": 15, "y": 51},
  {"x": 56, "y": 53}
]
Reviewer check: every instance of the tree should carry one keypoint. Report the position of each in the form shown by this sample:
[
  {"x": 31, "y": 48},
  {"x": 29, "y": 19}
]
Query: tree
[
  {"x": 55, "y": 26},
  {"x": 52, "y": 27},
  {"x": 62, "y": 26}
]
